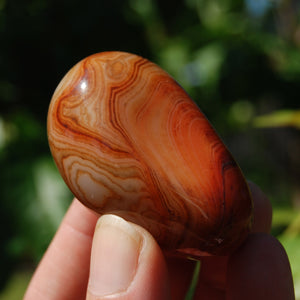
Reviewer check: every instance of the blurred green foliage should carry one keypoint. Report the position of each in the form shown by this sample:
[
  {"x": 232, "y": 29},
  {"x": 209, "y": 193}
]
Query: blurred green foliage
[{"x": 239, "y": 59}]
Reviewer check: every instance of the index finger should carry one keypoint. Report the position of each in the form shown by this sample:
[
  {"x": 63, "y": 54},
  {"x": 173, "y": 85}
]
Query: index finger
[{"x": 68, "y": 256}]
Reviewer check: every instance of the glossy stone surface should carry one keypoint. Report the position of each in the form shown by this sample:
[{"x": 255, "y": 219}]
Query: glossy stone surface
[{"x": 128, "y": 140}]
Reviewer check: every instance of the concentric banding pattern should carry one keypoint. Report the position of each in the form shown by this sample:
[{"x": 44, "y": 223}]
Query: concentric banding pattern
[{"x": 127, "y": 139}]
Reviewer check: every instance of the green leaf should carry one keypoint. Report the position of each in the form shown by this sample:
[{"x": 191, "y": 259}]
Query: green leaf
[{"x": 280, "y": 118}]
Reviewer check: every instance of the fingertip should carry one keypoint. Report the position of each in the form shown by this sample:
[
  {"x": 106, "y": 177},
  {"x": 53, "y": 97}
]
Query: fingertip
[
  {"x": 81, "y": 218},
  {"x": 126, "y": 263},
  {"x": 260, "y": 270},
  {"x": 262, "y": 210}
]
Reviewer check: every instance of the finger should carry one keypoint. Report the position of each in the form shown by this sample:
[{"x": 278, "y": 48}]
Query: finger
[
  {"x": 63, "y": 271},
  {"x": 213, "y": 274},
  {"x": 212, "y": 278},
  {"x": 180, "y": 273},
  {"x": 260, "y": 270},
  {"x": 126, "y": 263},
  {"x": 262, "y": 210}
]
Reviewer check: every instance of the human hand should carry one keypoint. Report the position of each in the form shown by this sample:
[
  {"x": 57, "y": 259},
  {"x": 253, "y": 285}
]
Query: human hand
[{"x": 127, "y": 263}]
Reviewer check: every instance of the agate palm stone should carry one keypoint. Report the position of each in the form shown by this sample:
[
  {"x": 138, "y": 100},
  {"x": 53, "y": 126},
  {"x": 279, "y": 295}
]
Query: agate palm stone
[{"x": 128, "y": 140}]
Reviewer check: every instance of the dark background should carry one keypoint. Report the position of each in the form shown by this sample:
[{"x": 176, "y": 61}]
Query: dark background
[{"x": 239, "y": 60}]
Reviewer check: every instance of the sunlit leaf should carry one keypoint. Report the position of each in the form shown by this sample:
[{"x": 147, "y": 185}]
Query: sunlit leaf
[{"x": 281, "y": 118}]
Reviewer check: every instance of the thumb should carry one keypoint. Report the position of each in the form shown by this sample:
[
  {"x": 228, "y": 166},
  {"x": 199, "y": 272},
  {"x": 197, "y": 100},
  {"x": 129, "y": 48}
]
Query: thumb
[{"x": 126, "y": 263}]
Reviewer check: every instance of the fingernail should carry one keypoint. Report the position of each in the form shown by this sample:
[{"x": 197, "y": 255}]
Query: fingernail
[{"x": 115, "y": 253}]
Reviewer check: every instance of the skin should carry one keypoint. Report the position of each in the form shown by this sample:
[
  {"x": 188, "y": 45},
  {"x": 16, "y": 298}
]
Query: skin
[{"x": 259, "y": 269}]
